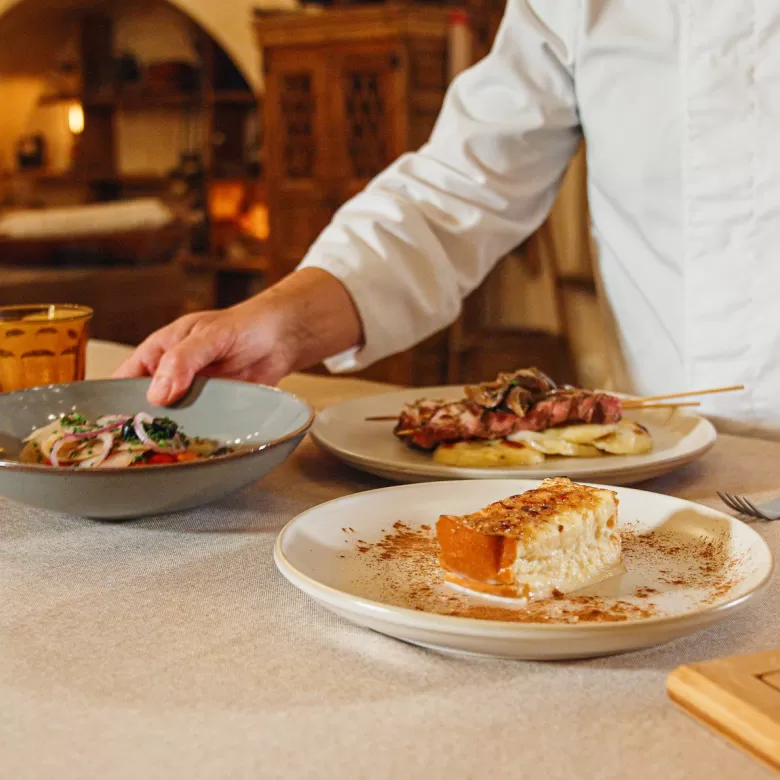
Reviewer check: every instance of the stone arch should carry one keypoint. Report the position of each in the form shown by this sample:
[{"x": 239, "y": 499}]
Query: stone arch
[{"x": 229, "y": 23}]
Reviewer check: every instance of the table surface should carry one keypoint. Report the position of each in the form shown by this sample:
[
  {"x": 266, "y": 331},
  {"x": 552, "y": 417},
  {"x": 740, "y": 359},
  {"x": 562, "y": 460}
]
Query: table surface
[{"x": 171, "y": 647}]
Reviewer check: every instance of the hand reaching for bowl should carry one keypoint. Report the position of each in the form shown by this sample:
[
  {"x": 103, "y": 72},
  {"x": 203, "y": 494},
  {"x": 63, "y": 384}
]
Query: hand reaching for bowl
[{"x": 295, "y": 324}]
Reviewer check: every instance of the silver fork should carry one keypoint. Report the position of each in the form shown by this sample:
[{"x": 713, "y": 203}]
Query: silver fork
[{"x": 768, "y": 511}]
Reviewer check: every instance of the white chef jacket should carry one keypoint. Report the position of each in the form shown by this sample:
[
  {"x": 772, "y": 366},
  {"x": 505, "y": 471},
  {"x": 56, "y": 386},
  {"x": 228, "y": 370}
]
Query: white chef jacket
[{"x": 679, "y": 102}]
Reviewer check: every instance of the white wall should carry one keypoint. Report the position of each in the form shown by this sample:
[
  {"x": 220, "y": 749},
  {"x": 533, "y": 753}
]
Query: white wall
[{"x": 153, "y": 32}]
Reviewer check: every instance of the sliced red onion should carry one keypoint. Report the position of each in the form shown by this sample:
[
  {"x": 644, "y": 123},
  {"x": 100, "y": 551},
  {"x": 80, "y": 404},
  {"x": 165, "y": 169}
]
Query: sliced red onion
[
  {"x": 54, "y": 455},
  {"x": 94, "y": 462},
  {"x": 106, "y": 438},
  {"x": 55, "y": 461},
  {"x": 141, "y": 419}
]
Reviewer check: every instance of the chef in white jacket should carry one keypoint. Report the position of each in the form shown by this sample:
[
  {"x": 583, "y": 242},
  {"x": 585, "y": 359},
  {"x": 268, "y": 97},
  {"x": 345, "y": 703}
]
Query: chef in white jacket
[{"x": 680, "y": 105}]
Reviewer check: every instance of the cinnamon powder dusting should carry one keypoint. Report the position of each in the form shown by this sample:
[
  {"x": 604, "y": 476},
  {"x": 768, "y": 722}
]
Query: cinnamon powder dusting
[
  {"x": 644, "y": 592},
  {"x": 699, "y": 563},
  {"x": 401, "y": 569}
]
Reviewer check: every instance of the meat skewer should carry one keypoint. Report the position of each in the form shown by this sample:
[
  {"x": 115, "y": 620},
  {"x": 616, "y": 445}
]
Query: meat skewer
[
  {"x": 426, "y": 424},
  {"x": 529, "y": 382},
  {"x": 524, "y": 400}
]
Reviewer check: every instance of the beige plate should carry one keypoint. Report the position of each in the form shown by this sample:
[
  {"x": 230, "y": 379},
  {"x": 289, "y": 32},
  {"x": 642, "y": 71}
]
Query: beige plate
[
  {"x": 679, "y": 437},
  {"x": 687, "y": 567}
]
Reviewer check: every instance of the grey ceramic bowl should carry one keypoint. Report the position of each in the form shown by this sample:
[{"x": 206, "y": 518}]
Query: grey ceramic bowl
[{"x": 267, "y": 423}]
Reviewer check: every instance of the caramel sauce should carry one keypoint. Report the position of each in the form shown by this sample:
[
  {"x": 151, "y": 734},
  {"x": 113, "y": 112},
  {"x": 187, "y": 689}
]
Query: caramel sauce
[{"x": 508, "y": 591}]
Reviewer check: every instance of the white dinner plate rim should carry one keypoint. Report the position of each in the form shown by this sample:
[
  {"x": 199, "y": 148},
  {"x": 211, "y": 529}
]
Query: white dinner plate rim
[{"x": 403, "y": 616}]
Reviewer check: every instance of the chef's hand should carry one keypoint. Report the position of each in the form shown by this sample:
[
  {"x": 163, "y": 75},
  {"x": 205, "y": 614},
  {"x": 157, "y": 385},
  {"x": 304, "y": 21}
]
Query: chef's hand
[{"x": 295, "y": 324}]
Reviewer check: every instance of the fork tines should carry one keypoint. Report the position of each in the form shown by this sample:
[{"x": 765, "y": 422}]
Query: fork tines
[{"x": 741, "y": 504}]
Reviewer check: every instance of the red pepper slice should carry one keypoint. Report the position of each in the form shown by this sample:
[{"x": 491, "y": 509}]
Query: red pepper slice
[{"x": 161, "y": 457}]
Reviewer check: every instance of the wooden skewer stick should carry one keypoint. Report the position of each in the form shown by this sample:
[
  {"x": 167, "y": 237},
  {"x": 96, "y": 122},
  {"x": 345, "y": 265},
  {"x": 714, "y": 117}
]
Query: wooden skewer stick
[
  {"x": 629, "y": 406},
  {"x": 668, "y": 396},
  {"x": 634, "y": 406}
]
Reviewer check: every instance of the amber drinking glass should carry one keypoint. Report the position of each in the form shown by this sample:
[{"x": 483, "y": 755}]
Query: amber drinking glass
[{"x": 42, "y": 344}]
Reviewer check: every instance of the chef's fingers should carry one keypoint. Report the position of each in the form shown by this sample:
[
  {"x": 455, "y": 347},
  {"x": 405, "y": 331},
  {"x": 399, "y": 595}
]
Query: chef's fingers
[
  {"x": 146, "y": 358},
  {"x": 179, "y": 365}
]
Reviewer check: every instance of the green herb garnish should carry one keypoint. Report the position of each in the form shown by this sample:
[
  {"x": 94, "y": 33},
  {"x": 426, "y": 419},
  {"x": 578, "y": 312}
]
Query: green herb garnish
[{"x": 162, "y": 429}]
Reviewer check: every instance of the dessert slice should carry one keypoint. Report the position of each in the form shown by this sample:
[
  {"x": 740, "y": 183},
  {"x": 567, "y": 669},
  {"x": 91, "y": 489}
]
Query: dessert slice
[{"x": 559, "y": 537}]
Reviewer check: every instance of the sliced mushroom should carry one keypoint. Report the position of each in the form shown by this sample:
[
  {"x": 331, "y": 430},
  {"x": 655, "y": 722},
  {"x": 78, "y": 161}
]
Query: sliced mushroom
[
  {"x": 488, "y": 395},
  {"x": 519, "y": 400},
  {"x": 531, "y": 379}
]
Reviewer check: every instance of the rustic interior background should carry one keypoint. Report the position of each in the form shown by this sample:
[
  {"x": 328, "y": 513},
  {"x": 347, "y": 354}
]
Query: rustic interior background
[{"x": 546, "y": 286}]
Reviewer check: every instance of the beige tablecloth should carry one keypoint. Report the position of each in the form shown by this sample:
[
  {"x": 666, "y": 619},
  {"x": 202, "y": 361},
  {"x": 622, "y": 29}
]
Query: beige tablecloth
[{"x": 171, "y": 648}]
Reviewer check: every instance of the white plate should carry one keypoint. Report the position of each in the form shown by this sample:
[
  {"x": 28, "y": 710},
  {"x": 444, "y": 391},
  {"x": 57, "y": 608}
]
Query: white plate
[
  {"x": 679, "y": 437},
  {"x": 687, "y": 567}
]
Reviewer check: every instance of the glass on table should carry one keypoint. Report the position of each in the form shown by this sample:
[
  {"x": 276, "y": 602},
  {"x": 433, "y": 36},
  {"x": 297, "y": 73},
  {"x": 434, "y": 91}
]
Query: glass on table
[{"x": 42, "y": 344}]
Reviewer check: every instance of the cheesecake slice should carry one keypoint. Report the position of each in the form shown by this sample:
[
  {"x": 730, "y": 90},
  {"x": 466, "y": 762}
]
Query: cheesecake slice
[{"x": 559, "y": 537}]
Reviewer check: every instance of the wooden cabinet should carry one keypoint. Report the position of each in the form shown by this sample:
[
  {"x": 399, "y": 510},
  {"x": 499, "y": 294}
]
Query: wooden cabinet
[
  {"x": 299, "y": 170},
  {"x": 347, "y": 92},
  {"x": 344, "y": 98}
]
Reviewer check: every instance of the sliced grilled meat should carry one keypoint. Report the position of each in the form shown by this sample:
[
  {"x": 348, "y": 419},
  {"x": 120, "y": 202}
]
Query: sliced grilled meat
[
  {"x": 426, "y": 424},
  {"x": 568, "y": 406}
]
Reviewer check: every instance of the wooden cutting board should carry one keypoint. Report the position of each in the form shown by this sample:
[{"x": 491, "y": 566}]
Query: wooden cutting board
[{"x": 737, "y": 697}]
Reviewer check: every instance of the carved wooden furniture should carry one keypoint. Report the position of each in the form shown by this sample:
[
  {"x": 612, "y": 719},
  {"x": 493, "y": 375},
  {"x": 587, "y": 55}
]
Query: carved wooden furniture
[{"x": 347, "y": 91}]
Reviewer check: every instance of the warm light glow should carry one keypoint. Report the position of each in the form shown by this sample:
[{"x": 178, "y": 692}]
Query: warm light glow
[
  {"x": 229, "y": 202},
  {"x": 76, "y": 119},
  {"x": 255, "y": 221},
  {"x": 225, "y": 200}
]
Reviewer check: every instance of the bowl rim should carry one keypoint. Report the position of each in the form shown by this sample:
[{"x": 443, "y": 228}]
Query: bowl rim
[{"x": 39, "y": 468}]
